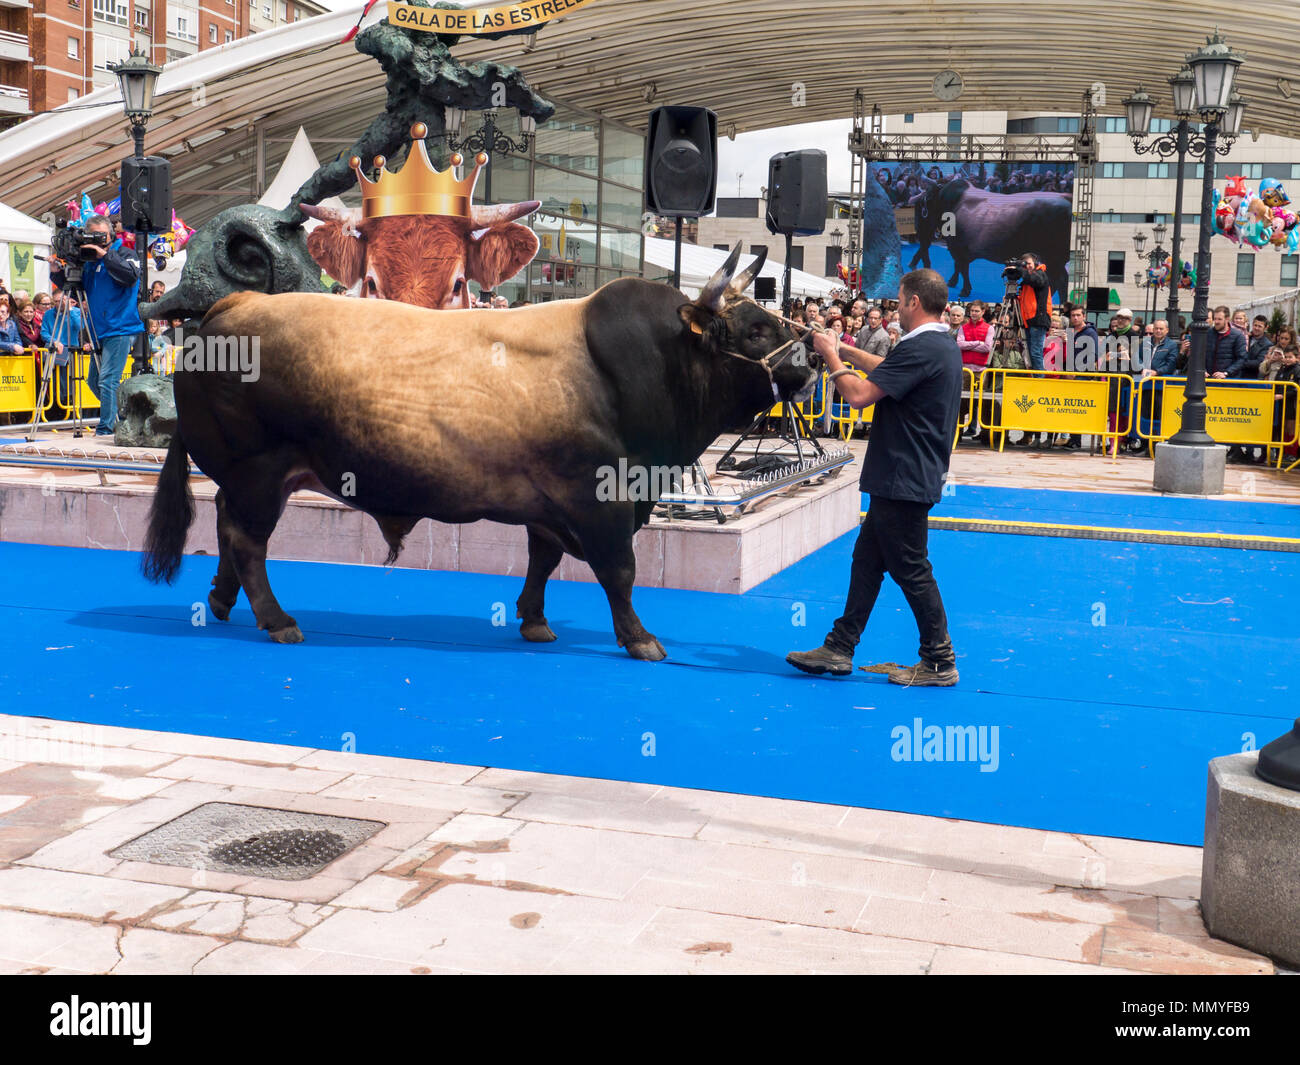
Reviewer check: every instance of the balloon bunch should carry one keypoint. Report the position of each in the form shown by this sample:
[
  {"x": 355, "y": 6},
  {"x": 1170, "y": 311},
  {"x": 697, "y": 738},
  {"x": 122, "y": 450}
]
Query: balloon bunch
[
  {"x": 162, "y": 246},
  {"x": 846, "y": 274},
  {"x": 1158, "y": 276},
  {"x": 1256, "y": 219}
]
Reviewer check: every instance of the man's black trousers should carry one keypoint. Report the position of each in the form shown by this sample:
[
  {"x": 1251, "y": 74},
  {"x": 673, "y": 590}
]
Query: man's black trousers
[{"x": 894, "y": 539}]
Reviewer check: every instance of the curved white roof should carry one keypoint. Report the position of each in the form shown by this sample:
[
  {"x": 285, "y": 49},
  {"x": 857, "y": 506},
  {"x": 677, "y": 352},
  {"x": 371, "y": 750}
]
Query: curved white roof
[{"x": 757, "y": 63}]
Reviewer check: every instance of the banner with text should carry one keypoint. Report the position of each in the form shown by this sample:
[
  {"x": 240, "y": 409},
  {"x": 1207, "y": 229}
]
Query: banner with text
[
  {"x": 525, "y": 15},
  {"x": 1239, "y": 414},
  {"x": 1052, "y": 404}
]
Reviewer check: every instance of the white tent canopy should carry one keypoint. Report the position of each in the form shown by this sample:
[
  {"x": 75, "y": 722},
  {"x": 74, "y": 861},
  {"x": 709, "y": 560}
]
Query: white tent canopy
[
  {"x": 299, "y": 165},
  {"x": 19, "y": 229},
  {"x": 700, "y": 264}
]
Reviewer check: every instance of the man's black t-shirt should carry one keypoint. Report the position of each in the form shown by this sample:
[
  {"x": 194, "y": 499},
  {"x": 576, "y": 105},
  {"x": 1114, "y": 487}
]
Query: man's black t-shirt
[{"x": 913, "y": 425}]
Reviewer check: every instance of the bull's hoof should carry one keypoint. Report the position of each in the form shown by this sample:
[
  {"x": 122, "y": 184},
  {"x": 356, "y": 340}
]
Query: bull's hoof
[
  {"x": 288, "y": 634},
  {"x": 536, "y": 632},
  {"x": 647, "y": 650},
  {"x": 220, "y": 610}
]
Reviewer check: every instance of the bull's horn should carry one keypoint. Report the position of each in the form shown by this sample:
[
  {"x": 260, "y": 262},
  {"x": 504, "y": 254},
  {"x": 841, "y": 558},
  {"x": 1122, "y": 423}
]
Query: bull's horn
[
  {"x": 747, "y": 275},
  {"x": 482, "y": 217},
  {"x": 714, "y": 292},
  {"x": 347, "y": 217}
]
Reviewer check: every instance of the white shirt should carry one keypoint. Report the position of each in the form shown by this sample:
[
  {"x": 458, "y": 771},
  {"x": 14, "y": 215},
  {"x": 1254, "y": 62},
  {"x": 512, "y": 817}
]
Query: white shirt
[{"x": 923, "y": 328}]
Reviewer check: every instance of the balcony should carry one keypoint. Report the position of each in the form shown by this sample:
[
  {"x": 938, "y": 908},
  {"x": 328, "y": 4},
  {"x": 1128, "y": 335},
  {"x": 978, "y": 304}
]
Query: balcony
[
  {"x": 13, "y": 46},
  {"x": 13, "y": 100},
  {"x": 14, "y": 3}
]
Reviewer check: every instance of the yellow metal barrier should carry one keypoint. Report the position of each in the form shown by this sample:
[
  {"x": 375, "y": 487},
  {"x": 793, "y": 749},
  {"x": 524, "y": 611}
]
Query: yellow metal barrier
[
  {"x": 843, "y": 414},
  {"x": 19, "y": 383},
  {"x": 1036, "y": 402},
  {"x": 812, "y": 408},
  {"x": 1236, "y": 412}
]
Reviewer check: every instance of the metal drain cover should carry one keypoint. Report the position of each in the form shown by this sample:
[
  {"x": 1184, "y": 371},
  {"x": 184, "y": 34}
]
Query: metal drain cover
[{"x": 250, "y": 841}]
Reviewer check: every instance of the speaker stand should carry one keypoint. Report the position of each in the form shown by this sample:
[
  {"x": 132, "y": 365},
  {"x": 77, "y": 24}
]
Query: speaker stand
[
  {"x": 785, "y": 282},
  {"x": 677, "y": 255}
]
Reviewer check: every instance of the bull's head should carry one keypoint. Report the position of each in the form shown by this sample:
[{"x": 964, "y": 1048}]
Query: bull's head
[
  {"x": 427, "y": 260},
  {"x": 732, "y": 324}
]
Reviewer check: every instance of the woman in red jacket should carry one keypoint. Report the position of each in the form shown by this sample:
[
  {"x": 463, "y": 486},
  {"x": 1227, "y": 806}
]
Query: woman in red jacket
[{"x": 975, "y": 341}]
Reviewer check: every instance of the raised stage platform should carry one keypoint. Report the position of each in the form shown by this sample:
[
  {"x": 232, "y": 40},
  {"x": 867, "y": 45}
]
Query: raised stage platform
[{"x": 109, "y": 509}]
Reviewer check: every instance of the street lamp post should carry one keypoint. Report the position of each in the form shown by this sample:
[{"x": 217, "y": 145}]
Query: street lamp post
[
  {"x": 1214, "y": 67},
  {"x": 137, "y": 77},
  {"x": 1180, "y": 141},
  {"x": 488, "y": 138}
]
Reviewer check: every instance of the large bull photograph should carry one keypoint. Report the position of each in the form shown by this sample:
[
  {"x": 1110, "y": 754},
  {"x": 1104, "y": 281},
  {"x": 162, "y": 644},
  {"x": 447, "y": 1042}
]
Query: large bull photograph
[{"x": 966, "y": 220}]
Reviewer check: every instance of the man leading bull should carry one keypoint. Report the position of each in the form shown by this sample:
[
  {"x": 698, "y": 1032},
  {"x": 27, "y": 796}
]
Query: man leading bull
[{"x": 917, "y": 396}]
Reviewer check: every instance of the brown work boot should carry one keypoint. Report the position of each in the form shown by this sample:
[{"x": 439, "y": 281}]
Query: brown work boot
[
  {"x": 823, "y": 660},
  {"x": 925, "y": 675}
]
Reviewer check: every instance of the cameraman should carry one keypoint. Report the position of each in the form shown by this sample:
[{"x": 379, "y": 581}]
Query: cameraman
[
  {"x": 1035, "y": 302},
  {"x": 111, "y": 277}
]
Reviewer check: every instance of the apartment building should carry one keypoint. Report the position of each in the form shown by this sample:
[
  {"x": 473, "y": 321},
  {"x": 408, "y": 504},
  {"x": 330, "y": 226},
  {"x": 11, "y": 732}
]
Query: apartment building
[{"x": 54, "y": 51}]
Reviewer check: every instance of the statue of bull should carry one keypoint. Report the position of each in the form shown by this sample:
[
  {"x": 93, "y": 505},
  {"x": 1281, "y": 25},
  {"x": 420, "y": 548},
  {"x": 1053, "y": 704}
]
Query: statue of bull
[
  {"x": 405, "y": 413},
  {"x": 426, "y": 260},
  {"x": 977, "y": 224}
]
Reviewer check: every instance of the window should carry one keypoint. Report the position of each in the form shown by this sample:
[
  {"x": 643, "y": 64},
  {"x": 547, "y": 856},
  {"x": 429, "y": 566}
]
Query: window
[
  {"x": 1295, "y": 171},
  {"x": 1067, "y": 125},
  {"x": 1115, "y": 268},
  {"x": 284, "y": 11},
  {"x": 954, "y": 121},
  {"x": 72, "y": 95},
  {"x": 112, "y": 11},
  {"x": 74, "y": 48},
  {"x": 212, "y": 32},
  {"x": 229, "y": 37},
  {"x": 266, "y": 12},
  {"x": 796, "y": 257},
  {"x": 722, "y": 247},
  {"x": 108, "y": 50},
  {"x": 908, "y": 118},
  {"x": 1250, "y": 170},
  {"x": 1161, "y": 125},
  {"x": 1157, "y": 170},
  {"x": 1246, "y": 268},
  {"x": 1112, "y": 170},
  {"x": 1290, "y": 271},
  {"x": 834, "y": 256},
  {"x": 758, "y": 249},
  {"x": 141, "y": 19},
  {"x": 1115, "y": 124}
]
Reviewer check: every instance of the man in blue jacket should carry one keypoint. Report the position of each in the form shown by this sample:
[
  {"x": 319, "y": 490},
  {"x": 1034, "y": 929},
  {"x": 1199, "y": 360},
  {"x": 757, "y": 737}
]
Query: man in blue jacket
[
  {"x": 111, "y": 278},
  {"x": 1225, "y": 347}
]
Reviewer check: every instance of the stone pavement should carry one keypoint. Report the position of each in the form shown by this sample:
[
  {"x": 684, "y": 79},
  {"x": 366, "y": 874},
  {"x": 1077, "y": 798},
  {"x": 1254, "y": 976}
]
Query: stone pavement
[{"x": 494, "y": 871}]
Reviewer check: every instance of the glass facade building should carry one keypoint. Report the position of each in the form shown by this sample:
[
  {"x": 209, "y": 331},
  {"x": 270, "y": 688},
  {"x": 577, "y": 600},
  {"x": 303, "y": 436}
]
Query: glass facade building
[{"x": 588, "y": 174}]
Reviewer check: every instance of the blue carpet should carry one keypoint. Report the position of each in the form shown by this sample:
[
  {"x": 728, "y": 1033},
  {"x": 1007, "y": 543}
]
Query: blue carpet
[
  {"x": 1101, "y": 728},
  {"x": 1222, "y": 515}
]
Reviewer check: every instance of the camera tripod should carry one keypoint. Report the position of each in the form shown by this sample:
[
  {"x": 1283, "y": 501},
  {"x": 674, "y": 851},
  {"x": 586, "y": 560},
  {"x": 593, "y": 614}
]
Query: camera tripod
[
  {"x": 1010, "y": 309},
  {"x": 76, "y": 296}
]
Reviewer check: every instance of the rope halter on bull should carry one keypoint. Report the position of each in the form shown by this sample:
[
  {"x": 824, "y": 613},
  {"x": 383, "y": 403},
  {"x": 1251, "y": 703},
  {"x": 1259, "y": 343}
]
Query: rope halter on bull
[{"x": 722, "y": 291}]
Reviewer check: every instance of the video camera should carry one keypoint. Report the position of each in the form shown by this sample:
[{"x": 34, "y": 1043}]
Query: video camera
[
  {"x": 1011, "y": 269},
  {"x": 67, "y": 243}
]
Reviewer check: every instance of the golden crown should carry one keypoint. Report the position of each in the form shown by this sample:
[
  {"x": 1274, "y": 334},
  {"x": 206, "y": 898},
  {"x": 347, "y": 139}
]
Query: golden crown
[{"x": 417, "y": 188}]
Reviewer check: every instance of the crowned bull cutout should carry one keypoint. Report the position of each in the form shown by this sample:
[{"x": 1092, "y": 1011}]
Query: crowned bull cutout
[{"x": 418, "y": 237}]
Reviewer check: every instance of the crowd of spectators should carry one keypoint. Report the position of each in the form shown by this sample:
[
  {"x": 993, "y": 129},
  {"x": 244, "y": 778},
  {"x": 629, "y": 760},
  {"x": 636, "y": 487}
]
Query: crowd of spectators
[
  {"x": 903, "y": 182},
  {"x": 1240, "y": 348}
]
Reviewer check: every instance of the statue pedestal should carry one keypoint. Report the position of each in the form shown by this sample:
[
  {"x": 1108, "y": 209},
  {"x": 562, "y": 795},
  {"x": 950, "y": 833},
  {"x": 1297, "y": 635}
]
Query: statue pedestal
[
  {"x": 1190, "y": 471},
  {"x": 1250, "y": 872}
]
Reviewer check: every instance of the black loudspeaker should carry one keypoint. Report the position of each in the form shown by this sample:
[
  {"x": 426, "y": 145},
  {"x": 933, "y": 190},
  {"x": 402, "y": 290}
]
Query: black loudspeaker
[
  {"x": 147, "y": 194},
  {"x": 1098, "y": 299},
  {"x": 681, "y": 161},
  {"x": 764, "y": 288},
  {"x": 796, "y": 193}
]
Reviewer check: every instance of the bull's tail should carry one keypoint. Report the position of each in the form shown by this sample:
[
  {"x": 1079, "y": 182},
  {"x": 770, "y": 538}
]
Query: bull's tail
[{"x": 170, "y": 517}]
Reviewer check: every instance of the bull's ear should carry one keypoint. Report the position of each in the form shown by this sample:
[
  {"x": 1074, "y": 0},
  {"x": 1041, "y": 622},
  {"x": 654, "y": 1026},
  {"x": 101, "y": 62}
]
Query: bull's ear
[
  {"x": 697, "y": 318},
  {"x": 339, "y": 250},
  {"x": 500, "y": 253}
]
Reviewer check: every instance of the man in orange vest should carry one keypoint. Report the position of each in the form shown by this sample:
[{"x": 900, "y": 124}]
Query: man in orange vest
[{"x": 1035, "y": 303}]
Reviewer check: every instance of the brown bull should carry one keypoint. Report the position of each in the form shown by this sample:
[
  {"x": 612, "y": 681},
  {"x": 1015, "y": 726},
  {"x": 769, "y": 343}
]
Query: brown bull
[
  {"x": 423, "y": 421},
  {"x": 426, "y": 260}
]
